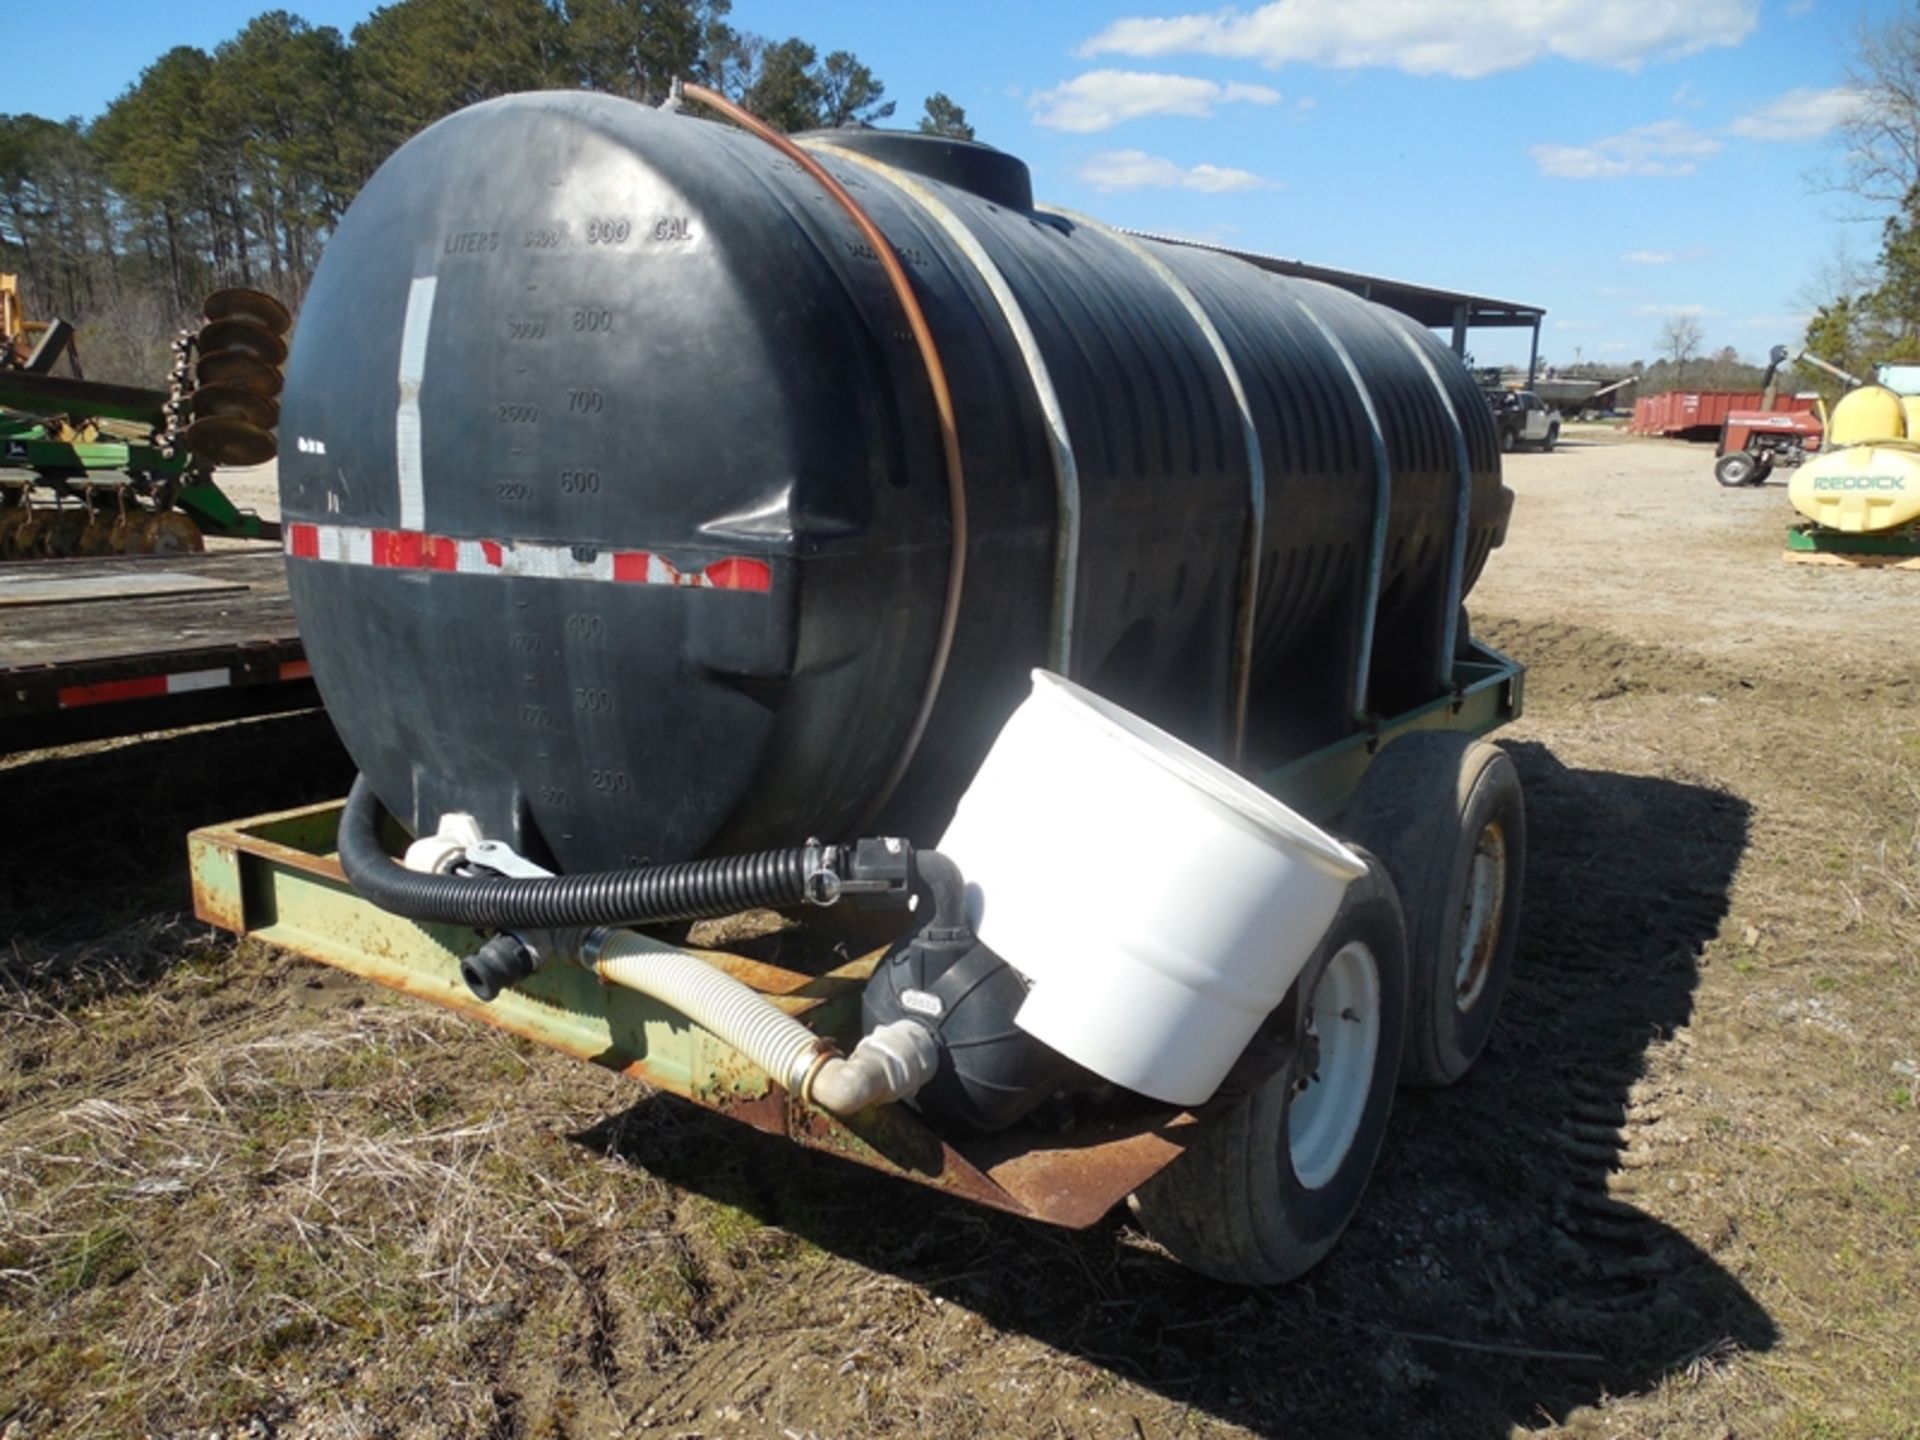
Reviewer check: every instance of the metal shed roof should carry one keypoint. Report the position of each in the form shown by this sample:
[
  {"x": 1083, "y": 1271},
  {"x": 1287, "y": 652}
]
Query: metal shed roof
[{"x": 1424, "y": 303}]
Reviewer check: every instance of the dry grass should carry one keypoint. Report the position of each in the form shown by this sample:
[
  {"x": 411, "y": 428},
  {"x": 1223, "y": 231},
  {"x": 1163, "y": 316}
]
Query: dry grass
[{"x": 1681, "y": 1197}]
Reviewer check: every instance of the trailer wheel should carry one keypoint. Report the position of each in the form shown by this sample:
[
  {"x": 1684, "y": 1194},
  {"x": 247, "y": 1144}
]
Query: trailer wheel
[
  {"x": 1762, "y": 470},
  {"x": 1266, "y": 1189},
  {"x": 1735, "y": 468},
  {"x": 1445, "y": 814}
]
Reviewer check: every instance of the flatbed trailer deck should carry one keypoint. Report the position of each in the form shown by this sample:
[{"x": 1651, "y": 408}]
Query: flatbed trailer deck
[{"x": 96, "y": 648}]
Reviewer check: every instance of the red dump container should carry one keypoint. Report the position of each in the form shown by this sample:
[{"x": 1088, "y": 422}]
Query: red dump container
[{"x": 1700, "y": 414}]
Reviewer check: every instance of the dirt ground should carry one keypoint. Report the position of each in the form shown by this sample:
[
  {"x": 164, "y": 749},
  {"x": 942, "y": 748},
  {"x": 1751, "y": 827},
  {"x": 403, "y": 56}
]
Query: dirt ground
[{"x": 1679, "y": 1196}]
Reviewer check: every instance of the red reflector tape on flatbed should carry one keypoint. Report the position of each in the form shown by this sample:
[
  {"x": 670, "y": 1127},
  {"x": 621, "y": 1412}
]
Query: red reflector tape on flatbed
[
  {"x": 144, "y": 687},
  {"x": 415, "y": 550},
  {"x": 155, "y": 687}
]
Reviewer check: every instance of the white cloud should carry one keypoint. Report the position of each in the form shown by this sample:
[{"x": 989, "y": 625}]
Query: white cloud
[
  {"x": 1464, "y": 38},
  {"x": 1101, "y": 99},
  {"x": 1695, "y": 312},
  {"x": 1616, "y": 347},
  {"x": 1685, "y": 98},
  {"x": 1576, "y": 324},
  {"x": 1137, "y": 170},
  {"x": 1801, "y": 114},
  {"x": 1664, "y": 257},
  {"x": 1786, "y": 324},
  {"x": 1664, "y": 148}
]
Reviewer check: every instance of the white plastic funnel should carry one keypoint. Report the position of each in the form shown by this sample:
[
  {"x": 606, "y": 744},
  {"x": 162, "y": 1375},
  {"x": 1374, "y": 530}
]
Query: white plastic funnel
[{"x": 1160, "y": 904}]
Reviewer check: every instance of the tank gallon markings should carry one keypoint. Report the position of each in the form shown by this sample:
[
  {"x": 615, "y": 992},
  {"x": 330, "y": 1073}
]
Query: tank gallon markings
[
  {"x": 672, "y": 228},
  {"x": 472, "y": 242},
  {"x": 590, "y": 320},
  {"x": 415, "y": 550},
  {"x": 579, "y": 482},
  {"x": 609, "y": 230},
  {"x": 586, "y": 402},
  {"x": 527, "y": 329},
  {"x": 517, "y": 414},
  {"x": 513, "y": 492}
]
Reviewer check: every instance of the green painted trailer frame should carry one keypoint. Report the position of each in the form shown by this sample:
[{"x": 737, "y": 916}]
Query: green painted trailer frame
[{"x": 275, "y": 878}]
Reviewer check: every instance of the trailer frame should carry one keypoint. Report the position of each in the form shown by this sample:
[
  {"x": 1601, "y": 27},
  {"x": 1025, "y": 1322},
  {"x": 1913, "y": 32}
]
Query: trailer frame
[{"x": 275, "y": 878}]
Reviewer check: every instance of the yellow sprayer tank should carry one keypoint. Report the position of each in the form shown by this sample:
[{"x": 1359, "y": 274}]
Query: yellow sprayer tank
[
  {"x": 1861, "y": 488},
  {"x": 1873, "y": 412}
]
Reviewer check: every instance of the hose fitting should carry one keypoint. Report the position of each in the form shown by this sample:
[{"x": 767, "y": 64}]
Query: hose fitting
[{"x": 503, "y": 961}]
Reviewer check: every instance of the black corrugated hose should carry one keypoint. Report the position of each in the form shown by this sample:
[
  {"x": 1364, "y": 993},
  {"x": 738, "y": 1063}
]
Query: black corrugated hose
[{"x": 694, "y": 890}]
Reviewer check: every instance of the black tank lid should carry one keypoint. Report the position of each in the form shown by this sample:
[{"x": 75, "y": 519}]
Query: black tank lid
[{"x": 989, "y": 173}]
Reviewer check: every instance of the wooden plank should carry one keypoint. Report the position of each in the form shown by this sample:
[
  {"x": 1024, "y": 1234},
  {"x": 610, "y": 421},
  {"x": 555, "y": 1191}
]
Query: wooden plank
[
  {"x": 33, "y": 589},
  {"x": 151, "y": 633},
  {"x": 1851, "y": 561}
]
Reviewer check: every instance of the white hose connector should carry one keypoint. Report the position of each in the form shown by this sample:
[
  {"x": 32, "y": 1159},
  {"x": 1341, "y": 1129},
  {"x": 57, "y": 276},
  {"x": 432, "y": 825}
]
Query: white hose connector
[
  {"x": 878, "y": 1071},
  {"x": 890, "y": 1064}
]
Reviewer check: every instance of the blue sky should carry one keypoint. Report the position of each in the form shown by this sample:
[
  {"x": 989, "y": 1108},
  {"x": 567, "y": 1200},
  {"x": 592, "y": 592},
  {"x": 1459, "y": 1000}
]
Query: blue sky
[{"x": 1613, "y": 160}]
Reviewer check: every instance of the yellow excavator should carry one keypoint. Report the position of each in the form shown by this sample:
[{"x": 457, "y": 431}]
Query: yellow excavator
[{"x": 1861, "y": 495}]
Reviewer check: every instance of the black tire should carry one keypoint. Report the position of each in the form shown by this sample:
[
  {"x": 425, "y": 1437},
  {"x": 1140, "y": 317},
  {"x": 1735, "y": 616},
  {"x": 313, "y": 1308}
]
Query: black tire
[
  {"x": 1762, "y": 471},
  {"x": 1553, "y": 439},
  {"x": 1735, "y": 468},
  {"x": 1507, "y": 440},
  {"x": 1446, "y": 816},
  {"x": 1234, "y": 1207}
]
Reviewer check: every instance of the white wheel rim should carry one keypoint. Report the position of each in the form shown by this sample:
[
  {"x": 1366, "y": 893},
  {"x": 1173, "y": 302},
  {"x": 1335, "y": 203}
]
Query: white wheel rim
[
  {"x": 1326, "y": 1109},
  {"x": 1480, "y": 924}
]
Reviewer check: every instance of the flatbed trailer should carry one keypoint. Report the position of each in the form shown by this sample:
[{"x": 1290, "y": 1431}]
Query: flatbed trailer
[
  {"x": 277, "y": 878},
  {"x": 95, "y": 648}
]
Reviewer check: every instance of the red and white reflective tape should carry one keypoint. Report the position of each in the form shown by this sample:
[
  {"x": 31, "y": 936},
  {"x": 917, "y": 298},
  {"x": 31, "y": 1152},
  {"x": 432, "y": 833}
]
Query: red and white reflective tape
[
  {"x": 154, "y": 687},
  {"x": 415, "y": 550}
]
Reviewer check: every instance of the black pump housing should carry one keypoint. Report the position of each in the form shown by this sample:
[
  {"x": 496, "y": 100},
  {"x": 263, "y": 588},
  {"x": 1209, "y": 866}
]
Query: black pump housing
[{"x": 991, "y": 1072}]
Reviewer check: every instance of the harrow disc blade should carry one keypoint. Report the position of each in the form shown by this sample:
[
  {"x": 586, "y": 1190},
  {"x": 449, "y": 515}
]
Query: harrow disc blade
[
  {"x": 222, "y": 335},
  {"x": 172, "y": 533},
  {"x": 240, "y": 369},
  {"x": 233, "y": 402},
  {"x": 240, "y": 303},
  {"x": 227, "y": 441}
]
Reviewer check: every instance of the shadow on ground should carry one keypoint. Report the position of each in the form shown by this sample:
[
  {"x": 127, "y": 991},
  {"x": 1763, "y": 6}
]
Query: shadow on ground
[
  {"x": 96, "y": 844},
  {"x": 1491, "y": 1281}
]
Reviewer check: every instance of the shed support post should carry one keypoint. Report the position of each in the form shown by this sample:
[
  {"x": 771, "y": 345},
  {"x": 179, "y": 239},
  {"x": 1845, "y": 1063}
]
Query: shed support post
[
  {"x": 1533, "y": 358},
  {"x": 1460, "y": 331}
]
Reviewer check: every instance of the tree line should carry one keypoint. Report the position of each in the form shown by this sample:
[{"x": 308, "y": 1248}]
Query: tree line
[
  {"x": 1865, "y": 314},
  {"x": 233, "y": 167}
]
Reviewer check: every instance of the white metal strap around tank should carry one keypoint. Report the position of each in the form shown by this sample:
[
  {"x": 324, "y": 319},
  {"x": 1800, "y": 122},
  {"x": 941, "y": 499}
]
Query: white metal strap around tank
[
  {"x": 1382, "y": 502},
  {"x": 1462, "y": 515},
  {"x": 1249, "y": 606},
  {"x": 406, "y": 419},
  {"x": 1066, "y": 471}
]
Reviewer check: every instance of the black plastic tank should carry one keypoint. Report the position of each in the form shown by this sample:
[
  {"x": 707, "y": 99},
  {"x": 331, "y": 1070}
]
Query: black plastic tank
[{"x": 617, "y": 515}]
